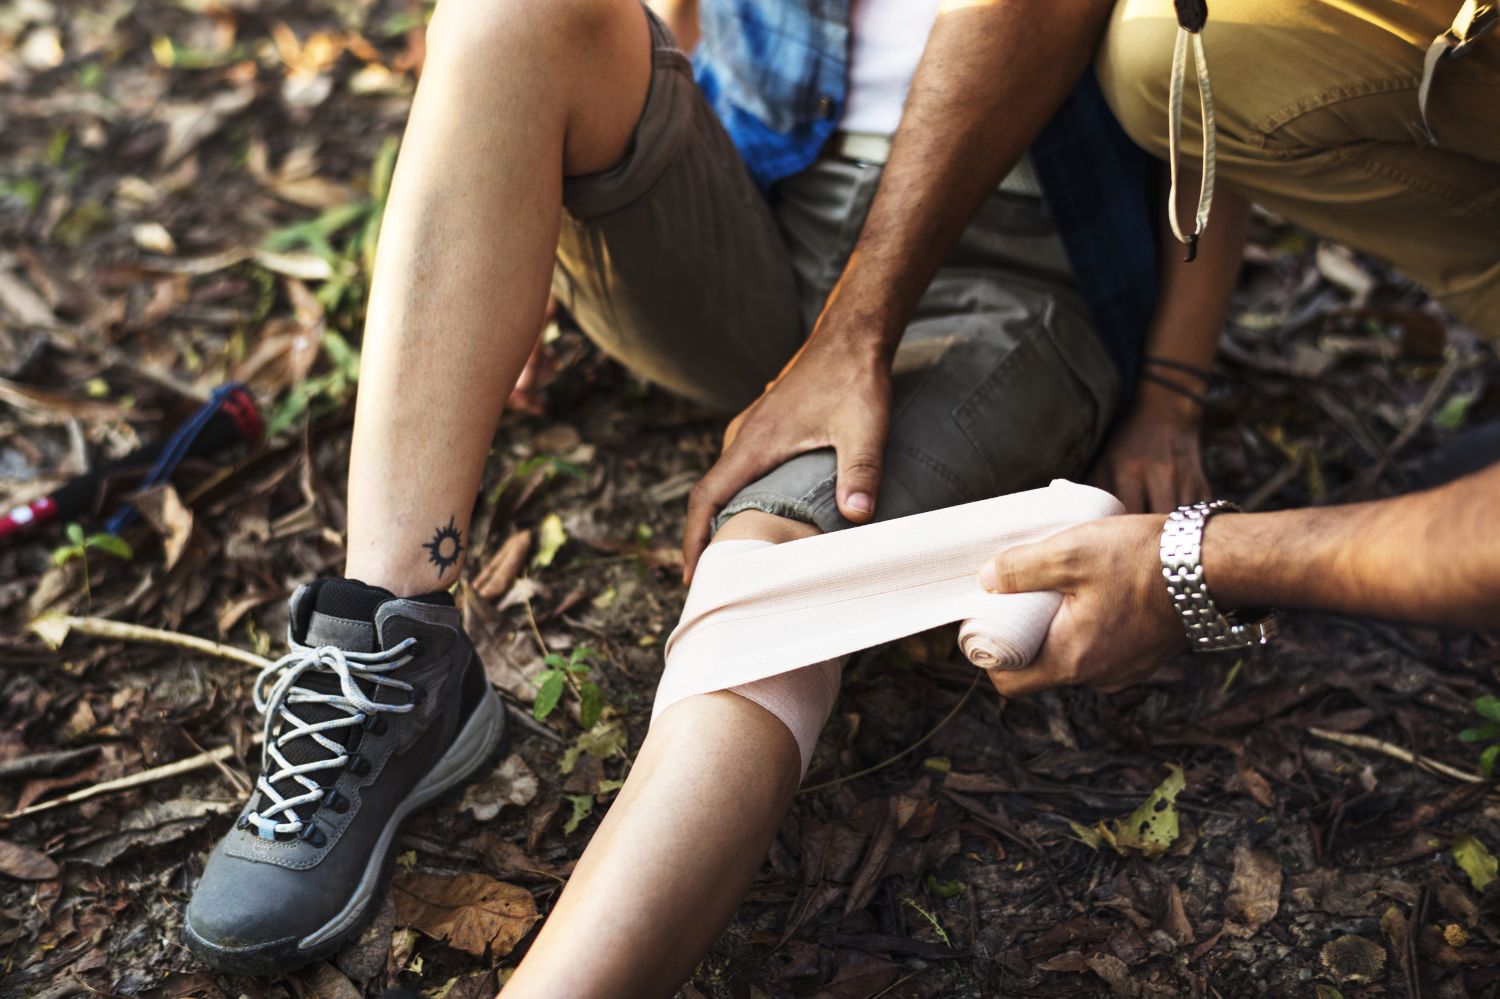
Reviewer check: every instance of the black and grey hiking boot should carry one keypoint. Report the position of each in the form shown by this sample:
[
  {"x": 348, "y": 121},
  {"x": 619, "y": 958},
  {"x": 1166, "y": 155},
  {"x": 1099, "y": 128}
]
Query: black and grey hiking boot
[{"x": 380, "y": 707}]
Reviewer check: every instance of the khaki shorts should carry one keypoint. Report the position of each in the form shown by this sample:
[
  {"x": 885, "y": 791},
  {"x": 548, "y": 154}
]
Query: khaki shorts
[
  {"x": 674, "y": 263},
  {"x": 1317, "y": 120}
]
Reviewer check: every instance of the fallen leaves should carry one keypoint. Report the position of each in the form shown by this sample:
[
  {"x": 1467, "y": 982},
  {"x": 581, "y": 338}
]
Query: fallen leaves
[
  {"x": 470, "y": 912},
  {"x": 1254, "y": 891},
  {"x": 495, "y": 579},
  {"x": 1353, "y": 959},
  {"x": 512, "y": 783},
  {"x": 1475, "y": 859},
  {"x": 25, "y": 864},
  {"x": 1150, "y": 830},
  {"x": 551, "y": 537}
]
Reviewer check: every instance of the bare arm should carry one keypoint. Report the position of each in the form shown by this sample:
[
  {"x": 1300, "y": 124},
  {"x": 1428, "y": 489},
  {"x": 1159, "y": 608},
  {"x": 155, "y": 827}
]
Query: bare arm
[
  {"x": 992, "y": 74},
  {"x": 986, "y": 63},
  {"x": 1431, "y": 557},
  {"x": 1152, "y": 461}
]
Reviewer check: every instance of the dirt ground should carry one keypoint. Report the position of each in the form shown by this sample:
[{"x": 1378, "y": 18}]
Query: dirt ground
[{"x": 189, "y": 193}]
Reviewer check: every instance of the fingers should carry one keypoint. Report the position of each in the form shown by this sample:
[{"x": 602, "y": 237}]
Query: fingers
[
  {"x": 1161, "y": 489},
  {"x": 1045, "y": 565},
  {"x": 1192, "y": 484},
  {"x": 735, "y": 469},
  {"x": 858, "y": 481},
  {"x": 858, "y": 439},
  {"x": 1023, "y": 682},
  {"x": 1130, "y": 488}
]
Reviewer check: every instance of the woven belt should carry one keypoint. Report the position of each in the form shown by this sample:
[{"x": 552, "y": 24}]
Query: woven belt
[{"x": 872, "y": 147}]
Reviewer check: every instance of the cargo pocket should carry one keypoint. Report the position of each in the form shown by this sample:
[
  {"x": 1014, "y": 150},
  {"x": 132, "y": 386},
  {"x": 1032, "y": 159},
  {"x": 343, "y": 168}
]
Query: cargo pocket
[{"x": 1031, "y": 418}]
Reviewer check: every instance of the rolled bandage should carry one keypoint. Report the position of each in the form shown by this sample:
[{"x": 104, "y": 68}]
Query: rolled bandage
[{"x": 757, "y": 610}]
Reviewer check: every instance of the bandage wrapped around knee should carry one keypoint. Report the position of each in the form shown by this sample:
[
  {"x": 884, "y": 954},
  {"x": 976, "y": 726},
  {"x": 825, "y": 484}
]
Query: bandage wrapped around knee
[{"x": 757, "y": 611}]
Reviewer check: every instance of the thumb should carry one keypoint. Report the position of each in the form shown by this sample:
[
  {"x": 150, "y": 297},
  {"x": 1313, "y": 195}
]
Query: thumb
[
  {"x": 860, "y": 455},
  {"x": 1027, "y": 568}
]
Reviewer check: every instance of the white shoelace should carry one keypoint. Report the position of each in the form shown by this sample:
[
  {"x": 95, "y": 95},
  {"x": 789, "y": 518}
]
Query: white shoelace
[{"x": 277, "y": 702}]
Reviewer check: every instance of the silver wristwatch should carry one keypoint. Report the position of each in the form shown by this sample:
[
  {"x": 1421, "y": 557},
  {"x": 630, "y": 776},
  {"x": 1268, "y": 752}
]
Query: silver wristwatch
[{"x": 1208, "y": 628}]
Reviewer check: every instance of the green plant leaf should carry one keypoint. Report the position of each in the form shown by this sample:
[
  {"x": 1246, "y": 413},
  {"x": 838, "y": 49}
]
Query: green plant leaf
[
  {"x": 590, "y": 704},
  {"x": 947, "y": 889},
  {"x": 63, "y": 554},
  {"x": 110, "y": 544},
  {"x": 583, "y": 804},
  {"x": 1149, "y": 830},
  {"x": 1481, "y": 733},
  {"x": 1488, "y": 707},
  {"x": 1487, "y": 761},
  {"x": 1453, "y": 412},
  {"x": 382, "y": 169},
  {"x": 578, "y": 655},
  {"x": 1476, "y": 860},
  {"x": 75, "y": 534},
  {"x": 555, "y": 661},
  {"x": 604, "y": 740},
  {"x": 550, "y": 688}
]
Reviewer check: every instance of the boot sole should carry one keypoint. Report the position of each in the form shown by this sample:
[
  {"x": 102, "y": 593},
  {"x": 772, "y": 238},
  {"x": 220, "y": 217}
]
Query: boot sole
[{"x": 473, "y": 745}]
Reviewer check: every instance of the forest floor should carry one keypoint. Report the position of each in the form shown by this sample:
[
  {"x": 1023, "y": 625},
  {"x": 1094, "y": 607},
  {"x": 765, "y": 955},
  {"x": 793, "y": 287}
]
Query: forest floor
[{"x": 189, "y": 193}]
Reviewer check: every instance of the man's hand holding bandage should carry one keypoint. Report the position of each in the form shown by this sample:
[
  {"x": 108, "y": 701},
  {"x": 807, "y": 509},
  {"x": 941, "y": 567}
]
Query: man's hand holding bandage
[{"x": 1116, "y": 624}]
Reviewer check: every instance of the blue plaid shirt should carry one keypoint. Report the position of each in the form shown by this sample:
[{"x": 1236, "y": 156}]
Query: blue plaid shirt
[{"x": 776, "y": 73}]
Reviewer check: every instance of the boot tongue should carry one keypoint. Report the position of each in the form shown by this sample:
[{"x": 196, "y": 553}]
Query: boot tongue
[{"x": 343, "y": 615}]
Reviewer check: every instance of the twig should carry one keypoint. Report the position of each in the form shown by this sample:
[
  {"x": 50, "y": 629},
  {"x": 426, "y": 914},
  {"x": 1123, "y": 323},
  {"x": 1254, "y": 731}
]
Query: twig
[
  {"x": 236, "y": 779},
  {"x": 211, "y": 758},
  {"x": 1435, "y": 392},
  {"x": 905, "y": 752},
  {"x": 535, "y": 631},
  {"x": 1395, "y": 752},
  {"x": 1273, "y": 485},
  {"x": 54, "y": 628}
]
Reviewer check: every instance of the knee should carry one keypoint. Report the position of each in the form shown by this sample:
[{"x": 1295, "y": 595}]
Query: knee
[
  {"x": 487, "y": 29},
  {"x": 756, "y": 525},
  {"x": 1134, "y": 68}
]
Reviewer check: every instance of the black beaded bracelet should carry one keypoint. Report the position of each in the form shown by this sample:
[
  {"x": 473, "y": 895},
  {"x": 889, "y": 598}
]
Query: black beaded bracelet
[
  {"x": 1188, "y": 369},
  {"x": 1181, "y": 390}
]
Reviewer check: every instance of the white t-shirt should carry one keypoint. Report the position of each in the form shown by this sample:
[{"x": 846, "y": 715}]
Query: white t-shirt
[{"x": 885, "y": 44}]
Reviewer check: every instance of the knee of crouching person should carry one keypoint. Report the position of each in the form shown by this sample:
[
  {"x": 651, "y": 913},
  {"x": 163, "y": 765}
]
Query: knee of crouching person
[
  {"x": 498, "y": 29},
  {"x": 1134, "y": 66}
]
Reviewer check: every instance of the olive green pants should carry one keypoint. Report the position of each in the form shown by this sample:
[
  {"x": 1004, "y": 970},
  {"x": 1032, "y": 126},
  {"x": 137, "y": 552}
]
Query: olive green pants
[{"x": 1318, "y": 122}]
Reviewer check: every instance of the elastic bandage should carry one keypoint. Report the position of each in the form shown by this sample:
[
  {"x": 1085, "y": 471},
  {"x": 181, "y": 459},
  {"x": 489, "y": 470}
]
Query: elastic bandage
[{"x": 758, "y": 611}]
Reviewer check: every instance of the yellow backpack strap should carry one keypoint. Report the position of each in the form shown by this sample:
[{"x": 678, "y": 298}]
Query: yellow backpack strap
[{"x": 1473, "y": 21}]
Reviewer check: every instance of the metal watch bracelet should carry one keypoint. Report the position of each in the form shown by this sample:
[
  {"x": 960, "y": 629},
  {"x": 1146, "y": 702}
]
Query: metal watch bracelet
[{"x": 1208, "y": 629}]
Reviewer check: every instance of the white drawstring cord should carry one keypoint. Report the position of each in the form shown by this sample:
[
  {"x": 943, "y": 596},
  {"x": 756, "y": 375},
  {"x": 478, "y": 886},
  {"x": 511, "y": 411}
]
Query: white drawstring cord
[
  {"x": 1174, "y": 114},
  {"x": 277, "y": 704}
]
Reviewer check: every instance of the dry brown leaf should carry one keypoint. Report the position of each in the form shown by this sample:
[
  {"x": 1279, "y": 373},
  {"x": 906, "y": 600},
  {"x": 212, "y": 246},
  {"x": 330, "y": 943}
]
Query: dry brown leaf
[
  {"x": 1175, "y": 922},
  {"x": 471, "y": 912},
  {"x": 169, "y": 517},
  {"x": 190, "y": 122},
  {"x": 25, "y": 864},
  {"x": 500, "y": 571},
  {"x": 324, "y": 981},
  {"x": 1254, "y": 891},
  {"x": 24, "y": 304},
  {"x": 1353, "y": 959},
  {"x": 512, "y": 783}
]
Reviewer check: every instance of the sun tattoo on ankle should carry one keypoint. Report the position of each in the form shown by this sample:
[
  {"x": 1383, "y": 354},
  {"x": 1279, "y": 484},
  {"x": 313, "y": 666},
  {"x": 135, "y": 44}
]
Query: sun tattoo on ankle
[{"x": 444, "y": 548}]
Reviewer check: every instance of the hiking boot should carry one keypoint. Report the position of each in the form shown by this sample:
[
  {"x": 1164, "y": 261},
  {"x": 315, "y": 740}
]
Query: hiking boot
[{"x": 380, "y": 707}]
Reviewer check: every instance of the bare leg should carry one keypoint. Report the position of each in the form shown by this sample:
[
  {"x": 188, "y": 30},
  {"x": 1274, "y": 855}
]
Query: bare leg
[
  {"x": 680, "y": 845},
  {"x": 514, "y": 96}
]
